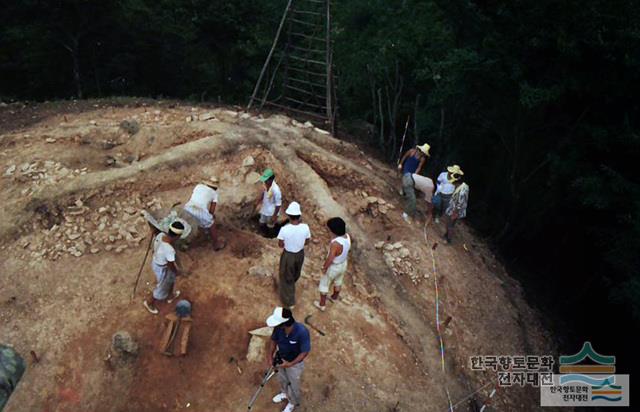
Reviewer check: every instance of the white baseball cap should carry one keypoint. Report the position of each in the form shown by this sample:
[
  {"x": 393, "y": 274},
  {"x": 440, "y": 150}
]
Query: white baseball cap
[
  {"x": 276, "y": 318},
  {"x": 293, "y": 209}
]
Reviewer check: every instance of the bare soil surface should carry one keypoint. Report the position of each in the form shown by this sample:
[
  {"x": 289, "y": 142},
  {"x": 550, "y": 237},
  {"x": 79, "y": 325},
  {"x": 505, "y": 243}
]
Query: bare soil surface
[{"x": 74, "y": 180}]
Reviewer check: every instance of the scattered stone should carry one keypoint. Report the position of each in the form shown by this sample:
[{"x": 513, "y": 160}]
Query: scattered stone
[
  {"x": 206, "y": 116},
  {"x": 404, "y": 252},
  {"x": 108, "y": 248},
  {"x": 256, "y": 352},
  {"x": 50, "y": 140},
  {"x": 130, "y": 126},
  {"x": 379, "y": 244},
  {"x": 124, "y": 344},
  {"x": 188, "y": 119},
  {"x": 265, "y": 331},
  {"x": 245, "y": 116},
  {"x": 321, "y": 131},
  {"x": 248, "y": 161},
  {"x": 73, "y": 236},
  {"x": 388, "y": 247},
  {"x": 130, "y": 210},
  {"x": 10, "y": 170}
]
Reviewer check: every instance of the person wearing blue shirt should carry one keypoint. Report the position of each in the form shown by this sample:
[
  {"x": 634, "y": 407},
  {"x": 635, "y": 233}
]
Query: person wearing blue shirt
[
  {"x": 409, "y": 164},
  {"x": 291, "y": 340}
]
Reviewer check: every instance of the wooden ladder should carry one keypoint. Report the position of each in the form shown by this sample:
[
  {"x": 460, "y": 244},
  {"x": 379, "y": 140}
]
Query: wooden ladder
[{"x": 297, "y": 75}]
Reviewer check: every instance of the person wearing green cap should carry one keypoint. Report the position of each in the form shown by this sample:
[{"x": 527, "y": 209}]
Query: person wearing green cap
[{"x": 269, "y": 201}]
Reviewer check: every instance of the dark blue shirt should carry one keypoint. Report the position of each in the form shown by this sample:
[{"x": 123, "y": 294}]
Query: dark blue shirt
[
  {"x": 292, "y": 345},
  {"x": 410, "y": 165}
]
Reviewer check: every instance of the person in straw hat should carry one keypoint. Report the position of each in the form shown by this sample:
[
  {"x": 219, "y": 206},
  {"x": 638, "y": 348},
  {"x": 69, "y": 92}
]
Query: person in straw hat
[
  {"x": 164, "y": 266},
  {"x": 444, "y": 190},
  {"x": 412, "y": 163},
  {"x": 457, "y": 208},
  {"x": 292, "y": 238},
  {"x": 202, "y": 207}
]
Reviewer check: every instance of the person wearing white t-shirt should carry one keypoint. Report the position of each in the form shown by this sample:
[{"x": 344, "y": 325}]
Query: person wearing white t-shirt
[
  {"x": 164, "y": 266},
  {"x": 269, "y": 201},
  {"x": 202, "y": 207},
  {"x": 444, "y": 190},
  {"x": 335, "y": 265},
  {"x": 292, "y": 238}
]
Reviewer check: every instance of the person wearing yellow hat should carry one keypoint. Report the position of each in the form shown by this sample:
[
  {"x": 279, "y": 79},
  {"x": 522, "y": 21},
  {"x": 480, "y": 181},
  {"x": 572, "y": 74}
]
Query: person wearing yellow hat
[
  {"x": 444, "y": 190},
  {"x": 457, "y": 208},
  {"x": 164, "y": 266},
  {"x": 202, "y": 207},
  {"x": 412, "y": 162}
]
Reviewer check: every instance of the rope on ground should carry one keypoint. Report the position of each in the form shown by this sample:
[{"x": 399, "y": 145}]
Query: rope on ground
[
  {"x": 452, "y": 406},
  {"x": 437, "y": 299}
]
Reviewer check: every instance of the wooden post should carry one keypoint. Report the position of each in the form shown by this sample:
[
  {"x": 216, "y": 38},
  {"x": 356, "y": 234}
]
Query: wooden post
[
  {"x": 329, "y": 103},
  {"x": 273, "y": 47}
]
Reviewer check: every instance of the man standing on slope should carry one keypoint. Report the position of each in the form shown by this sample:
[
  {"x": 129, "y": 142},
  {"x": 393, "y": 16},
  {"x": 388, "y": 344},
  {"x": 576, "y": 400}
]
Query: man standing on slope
[
  {"x": 457, "y": 208},
  {"x": 202, "y": 207},
  {"x": 335, "y": 266},
  {"x": 444, "y": 190},
  {"x": 292, "y": 238},
  {"x": 291, "y": 340},
  {"x": 411, "y": 163},
  {"x": 164, "y": 266},
  {"x": 269, "y": 201}
]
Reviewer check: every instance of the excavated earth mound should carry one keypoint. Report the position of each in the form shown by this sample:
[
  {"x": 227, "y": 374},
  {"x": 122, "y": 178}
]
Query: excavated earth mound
[{"x": 75, "y": 177}]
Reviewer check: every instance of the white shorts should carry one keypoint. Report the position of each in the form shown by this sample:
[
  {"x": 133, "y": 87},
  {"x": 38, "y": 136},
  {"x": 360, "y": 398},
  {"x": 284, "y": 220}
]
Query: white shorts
[
  {"x": 334, "y": 275},
  {"x": 203, "y": 217},
  {"x": 267, "y": 220}
]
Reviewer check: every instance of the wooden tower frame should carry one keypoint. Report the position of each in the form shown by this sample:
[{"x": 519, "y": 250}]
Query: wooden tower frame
[{"x": 299, "y": 66}]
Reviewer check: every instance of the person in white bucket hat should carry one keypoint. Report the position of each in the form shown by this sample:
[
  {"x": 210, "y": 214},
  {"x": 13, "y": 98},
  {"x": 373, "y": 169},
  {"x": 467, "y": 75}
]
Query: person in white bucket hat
[
  {"x": 292, "y": 238},
  {"x": 291, "y": 340}
]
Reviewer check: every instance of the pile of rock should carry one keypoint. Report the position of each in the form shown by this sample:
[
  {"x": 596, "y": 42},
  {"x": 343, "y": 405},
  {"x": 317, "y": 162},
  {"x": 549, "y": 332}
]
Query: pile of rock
[
  {"x": 400, "y": 261},
  {"x": 111, "y": 227},
  {"x": 372, "y": 205},
  {"x": 42, "y": 172}
]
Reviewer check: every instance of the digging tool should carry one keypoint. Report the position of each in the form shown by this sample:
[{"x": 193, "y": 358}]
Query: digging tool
[
  {"x": 133, "y": 294},
  {"x": 404, "y": 135},
  {"x": 270, "y": 373},
  {"x": 306, "y": 320}
]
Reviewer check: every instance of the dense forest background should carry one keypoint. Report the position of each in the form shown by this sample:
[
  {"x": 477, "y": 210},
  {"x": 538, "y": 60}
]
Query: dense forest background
[{"x": 536, "y": 100}]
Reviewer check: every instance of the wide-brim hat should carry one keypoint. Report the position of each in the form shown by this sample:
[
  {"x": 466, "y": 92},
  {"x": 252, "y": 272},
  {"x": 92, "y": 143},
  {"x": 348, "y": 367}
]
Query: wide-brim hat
[
  {"x": 173, "y": 227},
  {"x": 455, "y": 172},
  {"x": 211, "y": 181},
  {"x": 293, "y": 209},
  {"x": 276, "y": 319},
  {"x": 425, "y": 149},
  {"x": 266, "y": 175}
]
